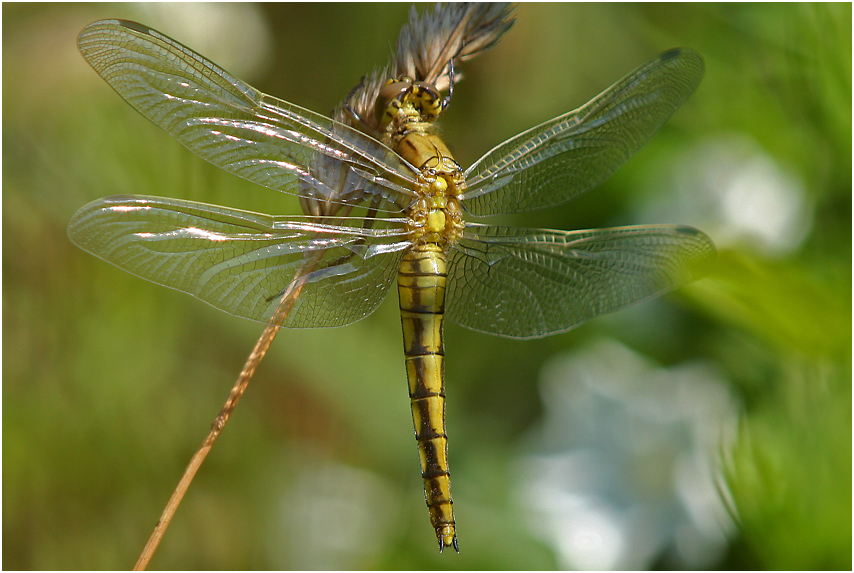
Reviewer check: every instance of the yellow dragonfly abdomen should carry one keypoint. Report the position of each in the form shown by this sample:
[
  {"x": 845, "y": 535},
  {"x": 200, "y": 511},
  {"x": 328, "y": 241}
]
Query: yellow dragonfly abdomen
[{"x": 421, "y": 287}]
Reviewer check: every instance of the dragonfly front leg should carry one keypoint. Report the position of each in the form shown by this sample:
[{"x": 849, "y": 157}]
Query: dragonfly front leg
[{"x": 421, "y": 287}]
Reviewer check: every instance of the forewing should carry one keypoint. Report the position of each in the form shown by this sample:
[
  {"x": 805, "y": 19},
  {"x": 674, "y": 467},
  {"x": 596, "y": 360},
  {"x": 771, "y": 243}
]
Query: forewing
[
  {"x": 527, "y": 283},
  {"x": 573, "y": 153},
  {"x": 231, "y": 124},
  {"x": 243, "y": 262}
]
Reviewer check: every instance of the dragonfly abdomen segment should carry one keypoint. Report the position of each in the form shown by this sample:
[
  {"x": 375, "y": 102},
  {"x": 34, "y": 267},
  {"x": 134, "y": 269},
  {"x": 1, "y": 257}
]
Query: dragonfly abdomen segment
[{"x": 421, "y": 287}]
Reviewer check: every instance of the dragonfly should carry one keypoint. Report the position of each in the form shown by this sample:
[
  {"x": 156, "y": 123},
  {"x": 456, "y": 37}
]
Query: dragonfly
[{"x": 384, "y": 199}]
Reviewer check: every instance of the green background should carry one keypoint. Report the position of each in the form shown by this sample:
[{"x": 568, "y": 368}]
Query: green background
[{"x": 110, "y": 382}]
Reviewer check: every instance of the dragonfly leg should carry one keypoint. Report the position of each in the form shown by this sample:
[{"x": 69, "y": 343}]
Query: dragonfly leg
[
  {"x": 446, "y": 101},
  {"x": 356, "y": 119}
]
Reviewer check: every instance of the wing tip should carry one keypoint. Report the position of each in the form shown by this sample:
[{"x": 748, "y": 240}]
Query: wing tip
[
  {"x": 685, "y": 55},
  {"x": 706, "y": 253}
]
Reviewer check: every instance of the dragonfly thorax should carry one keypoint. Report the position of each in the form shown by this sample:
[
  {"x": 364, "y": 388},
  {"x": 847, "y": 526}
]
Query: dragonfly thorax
[
  {"x": 435, "y": 219},
  {"x": 436, "y": 216}
]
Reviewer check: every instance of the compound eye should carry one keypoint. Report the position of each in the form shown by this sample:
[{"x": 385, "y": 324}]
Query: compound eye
[
  {"x": 389, "y": 100},
  {"x": 429, "y": 99}
]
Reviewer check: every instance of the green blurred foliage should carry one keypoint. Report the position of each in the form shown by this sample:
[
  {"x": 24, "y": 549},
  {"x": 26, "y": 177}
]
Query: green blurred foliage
[{"x": 110, "y": 382}]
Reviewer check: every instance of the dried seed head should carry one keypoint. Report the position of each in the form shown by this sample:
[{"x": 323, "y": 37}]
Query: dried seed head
[{"x": 425, "y": 47}]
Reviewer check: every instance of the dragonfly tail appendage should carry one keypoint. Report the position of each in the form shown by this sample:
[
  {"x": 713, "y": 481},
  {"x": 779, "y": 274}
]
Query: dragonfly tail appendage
[{"x": 421, "y": 286}]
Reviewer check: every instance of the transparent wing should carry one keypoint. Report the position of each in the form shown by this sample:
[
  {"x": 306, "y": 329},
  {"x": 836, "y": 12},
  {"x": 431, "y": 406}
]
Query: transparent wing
[
  {"x": 527, "y": 283},
  {"x": 231, "y": 124},
  {"x": 573, "y": 153},
  {"x": 242, "y": 262}
]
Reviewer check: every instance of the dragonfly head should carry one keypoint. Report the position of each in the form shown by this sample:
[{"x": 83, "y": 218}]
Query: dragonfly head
[{"x": 419, "y": 102}]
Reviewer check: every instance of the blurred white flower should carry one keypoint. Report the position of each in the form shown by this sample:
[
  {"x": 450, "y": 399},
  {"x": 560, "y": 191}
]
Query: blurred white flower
[
  {"x": 332, "y": 516},
  {"x": 737, "y": 193},
  {"x": 625, "y": 473}
]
